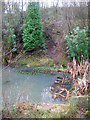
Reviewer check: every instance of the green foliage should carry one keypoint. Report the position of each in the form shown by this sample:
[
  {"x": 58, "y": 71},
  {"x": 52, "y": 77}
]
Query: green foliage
[
  {"x": 11, "y": 37},
  {"x": 11, "y": 25},
  {"x": 8, "y": 38},
  {"x": 77, "y": 43},
  {"x": 33, "y": 29}
]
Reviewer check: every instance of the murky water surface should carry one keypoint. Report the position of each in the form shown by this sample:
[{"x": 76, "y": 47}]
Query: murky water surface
[{"x": 33, "y": 87}]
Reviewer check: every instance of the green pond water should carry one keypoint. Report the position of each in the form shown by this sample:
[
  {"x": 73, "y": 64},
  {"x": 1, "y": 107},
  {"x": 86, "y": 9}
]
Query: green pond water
[{"x": 32, "y": 87}]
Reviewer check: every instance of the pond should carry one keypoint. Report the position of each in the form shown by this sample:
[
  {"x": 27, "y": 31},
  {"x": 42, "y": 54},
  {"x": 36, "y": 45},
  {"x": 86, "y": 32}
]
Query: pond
[{"x": 31, "y": 87}]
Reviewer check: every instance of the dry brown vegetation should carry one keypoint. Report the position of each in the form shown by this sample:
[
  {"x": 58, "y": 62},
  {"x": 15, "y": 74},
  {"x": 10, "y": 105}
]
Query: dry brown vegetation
[{"x": 80, "y": 75}]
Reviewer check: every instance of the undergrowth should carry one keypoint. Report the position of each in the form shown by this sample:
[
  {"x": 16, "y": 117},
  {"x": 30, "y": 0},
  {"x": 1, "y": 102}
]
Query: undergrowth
[{"x": 77, "y": 107}]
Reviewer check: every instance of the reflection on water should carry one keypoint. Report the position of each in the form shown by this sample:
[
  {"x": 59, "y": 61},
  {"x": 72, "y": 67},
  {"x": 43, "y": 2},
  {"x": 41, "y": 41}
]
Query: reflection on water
[{"x": 35, "y": 88}]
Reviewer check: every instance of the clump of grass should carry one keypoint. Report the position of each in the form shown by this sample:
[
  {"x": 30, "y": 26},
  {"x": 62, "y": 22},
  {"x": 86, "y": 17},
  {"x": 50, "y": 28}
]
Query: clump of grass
[
  {"x": 63, "y": 62},
  {"x": 46, "y": 61}
]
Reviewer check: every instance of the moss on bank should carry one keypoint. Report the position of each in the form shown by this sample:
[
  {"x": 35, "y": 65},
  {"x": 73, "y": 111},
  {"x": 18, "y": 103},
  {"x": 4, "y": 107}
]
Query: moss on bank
[
  {"x": 36, "y": 70},
  {"x": 27, "y": 59},
  {"x": 30, "y": 61}
]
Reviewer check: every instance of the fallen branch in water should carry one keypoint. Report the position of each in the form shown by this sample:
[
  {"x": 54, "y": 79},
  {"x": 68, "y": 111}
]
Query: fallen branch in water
[{"x": 58, "y": 94}]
